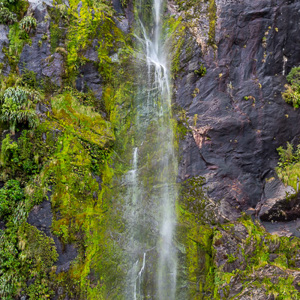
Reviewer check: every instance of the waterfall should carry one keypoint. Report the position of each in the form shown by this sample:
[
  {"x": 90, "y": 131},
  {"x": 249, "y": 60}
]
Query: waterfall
[{"x": 151, "y": 194}]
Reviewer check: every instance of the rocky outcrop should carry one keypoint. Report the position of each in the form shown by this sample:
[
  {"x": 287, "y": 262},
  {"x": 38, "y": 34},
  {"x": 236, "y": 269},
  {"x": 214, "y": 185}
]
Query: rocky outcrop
[{"x": 240, "y": 115}]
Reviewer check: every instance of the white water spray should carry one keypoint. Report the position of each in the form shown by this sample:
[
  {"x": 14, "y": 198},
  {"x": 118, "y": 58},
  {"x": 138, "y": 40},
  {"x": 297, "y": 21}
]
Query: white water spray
[{"x": 152, "y": 193}]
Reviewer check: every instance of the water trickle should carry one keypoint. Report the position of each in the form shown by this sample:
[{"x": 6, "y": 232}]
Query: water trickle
[{"x": 151, "y": 193}]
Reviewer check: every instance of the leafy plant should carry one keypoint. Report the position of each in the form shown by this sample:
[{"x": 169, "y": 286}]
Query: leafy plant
[
  {"x": 18, "y": 107},
  {"x": 288, "y": 169},
  {"x": 294, "y": 77},
  {"x": 17, "y": 39},
  {"x": 10, "y": 194},
  {"x": 28, "y": 23},
  {"x": 292, "y": 90},
  {"x": 288, "y": 155},
  {"x": 6, "y": 16},
  {"x": 9, "y": 150},
  {"x": 29, "y": 79}
]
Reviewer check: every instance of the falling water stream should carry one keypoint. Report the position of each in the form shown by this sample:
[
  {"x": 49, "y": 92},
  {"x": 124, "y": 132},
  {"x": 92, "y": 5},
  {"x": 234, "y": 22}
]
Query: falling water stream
[{"x": 151, "y": 189}]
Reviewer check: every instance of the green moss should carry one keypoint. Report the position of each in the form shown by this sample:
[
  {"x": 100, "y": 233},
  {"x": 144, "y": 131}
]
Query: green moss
[
  {"x": 25, "y": 253},
  {"x": 197, "y": 236},
  {"x": 17, "y": 39},
  {"x": 212, "y": 15},
  {"x": 56, "y": 35},
  {"x": 86, "y": 27},
  {"x": 81, "y": 120}
]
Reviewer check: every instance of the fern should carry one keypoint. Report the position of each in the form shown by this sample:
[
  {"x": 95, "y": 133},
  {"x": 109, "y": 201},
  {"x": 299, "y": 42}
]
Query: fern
[
  {"x": 18, "y": 107},
  {"x": 6, "y": 16}
]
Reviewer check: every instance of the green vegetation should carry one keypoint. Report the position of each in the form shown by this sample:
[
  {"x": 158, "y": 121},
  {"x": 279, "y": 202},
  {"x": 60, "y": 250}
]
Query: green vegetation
[
  {"x": 25, "y": 252},
  {"x": 6, "y": 16},
  {"x": 288, "y": 169},
  {"x": 18, "y": 106},
  {"x": 87, "y": 27},
  {"x": 212, "y": 270},
  {"x": 17, "y": 39},
  {"x": 212, "y": 16},
  {"x": 27, "y": 24},
  {"x": 292, "y": 92},
  {"x": 201, "y": 71},
  {"x": 75, "y": 153},
  {"x": 70, "y": 150},
  {"x": 10, "y": 195},
  {"x": 254, "y": 258},
  {"x": 195, "y": 215}
]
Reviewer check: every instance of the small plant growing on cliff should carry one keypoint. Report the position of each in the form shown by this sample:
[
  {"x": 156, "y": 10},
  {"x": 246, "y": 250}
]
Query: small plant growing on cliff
[
  {"x": 18, "y": 107},
  {"x": 28, "y": 23},
  {"x": 288, "y": 169},
  {"x": 289, "y": 155},
  {"x": 292, "y": 90},
  {"x": 201, "y": 71}
]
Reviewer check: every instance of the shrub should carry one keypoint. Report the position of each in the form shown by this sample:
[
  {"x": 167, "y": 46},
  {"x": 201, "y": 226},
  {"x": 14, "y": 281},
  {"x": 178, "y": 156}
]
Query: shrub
[
  {"x": 294, "y": 77},
  {"x": 6, "y": 16},
  {"x": 288, "y": 169},
  {"x": 28, "y": 23},
  {"x": 8, "y": 2},
  {"x": 9, "y": 151},
  {"x": 10, "y": 195},
  {"x": 292, "y": 90},
  {"x": 18, "y": 107},
  {"x": 288, "y": 155},
  {"x": 29, "y": 79}
]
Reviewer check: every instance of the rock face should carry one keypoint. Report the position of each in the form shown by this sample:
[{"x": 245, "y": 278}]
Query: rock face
[
  {"x": 4, "y": 42},
  {"x": 41, "y": 217},
  {"x": 37, "y": 57},
  {"x": 235, "y": 112}
]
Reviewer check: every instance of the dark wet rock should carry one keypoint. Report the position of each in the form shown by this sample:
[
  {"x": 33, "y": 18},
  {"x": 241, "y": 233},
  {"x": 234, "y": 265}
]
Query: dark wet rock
[
  {"x": 123, "y": 24},
  {"x": 41, "y": 217},
  {"x": 89, "y": 78},
  {"x": 37, "y": 57},
  {"x": 291, "y": 228},
  {"x": 287, "y": 209},
  {"x": 228, "y": 255},
  {"x": 39, "y": 8},
  {"x": 241, "y": 117},
  {"x": 79, "y": 7},
  {"x": 54, "y": 68},
  {"x": 67, "y": 254},
  {"x": 275, "y": 194},
  {"x": 117, "y": 5},
  {"x": 4, "y": 42},
  {"x": 91, "y": 53},
  {"x": 2, "y": 225},
  {"x": 41, "y": 108}
]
